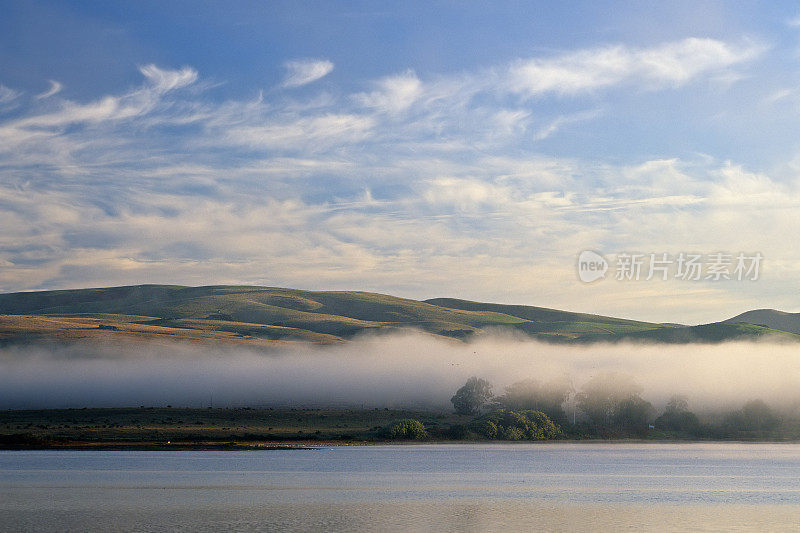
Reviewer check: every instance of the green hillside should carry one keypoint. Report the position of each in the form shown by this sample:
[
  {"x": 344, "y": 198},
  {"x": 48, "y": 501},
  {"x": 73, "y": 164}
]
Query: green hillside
[
  {"x": 770, "y": 318},
  {"x": 263, "y": 315},
  {"x": 247, "y": 310},
  {"x": 545, "y": 321},
  {"x": 705, "y": 333}
]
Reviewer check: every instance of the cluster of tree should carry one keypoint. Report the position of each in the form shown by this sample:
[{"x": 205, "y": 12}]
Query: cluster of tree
[
  {"x": 405, "y": 429},
  {"x": 527, "y": 395},
  {"x": 530, "y": 394},
  {"x": 677, "y": 417},
  {"x": 613, "y": 402},
  {"x": 524, "y": 412},
  {"x": 754, "y": 416},
  {"x": 755, "y": 420},
  {"x": 610, "y": 405},
  {"x": 515, "y": 425}
]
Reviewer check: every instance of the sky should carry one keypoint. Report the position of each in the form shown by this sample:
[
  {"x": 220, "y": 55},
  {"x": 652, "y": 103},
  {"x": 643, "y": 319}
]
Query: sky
[{"x": 421, "y": 149}]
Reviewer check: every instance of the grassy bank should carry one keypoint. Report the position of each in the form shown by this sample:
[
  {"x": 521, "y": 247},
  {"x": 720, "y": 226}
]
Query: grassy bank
[
  {"x": 220, "y": 427},
  {"x": 241, "y": 428}
]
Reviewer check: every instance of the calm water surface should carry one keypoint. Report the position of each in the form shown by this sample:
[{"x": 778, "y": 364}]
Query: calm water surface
[{"x": 498, "y": 487}]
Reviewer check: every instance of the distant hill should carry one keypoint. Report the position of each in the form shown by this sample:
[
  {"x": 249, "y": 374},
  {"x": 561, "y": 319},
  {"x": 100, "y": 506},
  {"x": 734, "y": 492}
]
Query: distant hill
[
  {"x": 545, "y": 321},
  {"x": 771, "y": 318},
  {"x": 266, "y": 316},
  {"x": 581, "y": 327},
  {"x": 227, "y": 312},
  {"x": 705, "y": 333}
]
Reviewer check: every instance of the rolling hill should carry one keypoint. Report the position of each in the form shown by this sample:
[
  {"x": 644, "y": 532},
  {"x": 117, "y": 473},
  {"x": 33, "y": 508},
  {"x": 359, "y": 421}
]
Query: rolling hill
[
  {"x": 266, "y": 316},
  {"x": 586, "y": 328},
  {"x": 770, "y": 318}
]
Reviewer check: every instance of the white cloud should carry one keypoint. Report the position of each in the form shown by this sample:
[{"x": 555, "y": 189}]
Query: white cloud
[
  {"x": 163, "y": 80},
  {"x": 55, "y": 88},
  {"x": 487, "y": 234},
  {"x": 123, "y": 107},
  {"x": 511, "y": 121},
  {"x": 311, "y": 133},
  {"x": 779, "y": 95},
  {"x": 304, "y": 71},
  {"x": 670, "y": 64},
  {"x": 7, "y": 96},
  {"x": 395, "y": 93},
  {"x": 471, "y": 194},
  {"x": 559, "y": 122}
]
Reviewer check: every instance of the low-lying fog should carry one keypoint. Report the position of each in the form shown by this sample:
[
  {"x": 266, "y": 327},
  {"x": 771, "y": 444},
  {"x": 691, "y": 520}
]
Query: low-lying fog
[{"x": 402, "y": 370}]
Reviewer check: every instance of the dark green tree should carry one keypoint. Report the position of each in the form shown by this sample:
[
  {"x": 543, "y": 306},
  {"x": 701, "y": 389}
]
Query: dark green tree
[
  {"x": 759, "y": 416},
  {"x": 633, "y": 413},
  {"x": 469, "y": 399},
  {"x": 678, "y": 403},
  {"x": 754, "y": 417},
  {"x": 677, "y": 417},
  {"x": 614, "y": 400},
  {"x": 547, "y": 397}
]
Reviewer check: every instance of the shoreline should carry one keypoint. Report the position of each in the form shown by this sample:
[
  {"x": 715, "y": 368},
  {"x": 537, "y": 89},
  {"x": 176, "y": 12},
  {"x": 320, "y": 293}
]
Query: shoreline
[
  {"x": 319, "y": 445},
  {"x": 183, "y": 429}
]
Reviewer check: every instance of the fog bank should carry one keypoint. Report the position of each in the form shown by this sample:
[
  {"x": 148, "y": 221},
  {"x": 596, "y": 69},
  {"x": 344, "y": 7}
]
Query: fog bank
[{"x": 402, "y": 370}]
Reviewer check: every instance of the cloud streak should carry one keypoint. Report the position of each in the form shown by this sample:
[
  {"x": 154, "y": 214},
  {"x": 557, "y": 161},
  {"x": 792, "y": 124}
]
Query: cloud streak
[
  {"x": 164, "y": 80},
  {"x": 55, "y": 88},
  {"x": 304, "y": 71},
  {"x": 670, "y": 64},
  {"x": 7, "y": 95}
]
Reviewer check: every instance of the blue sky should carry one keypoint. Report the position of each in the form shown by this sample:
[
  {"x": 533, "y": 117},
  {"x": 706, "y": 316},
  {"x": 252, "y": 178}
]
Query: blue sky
[{"x": 420, "y": 149}]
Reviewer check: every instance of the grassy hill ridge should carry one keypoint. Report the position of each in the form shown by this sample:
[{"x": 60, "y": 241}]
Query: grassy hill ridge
[
  {"x": 268, "y": 315},
  {"x": 770, "y": 318}
]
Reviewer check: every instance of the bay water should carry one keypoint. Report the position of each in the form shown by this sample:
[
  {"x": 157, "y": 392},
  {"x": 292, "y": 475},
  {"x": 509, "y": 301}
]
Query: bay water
[{"x": 437, "y": 487}]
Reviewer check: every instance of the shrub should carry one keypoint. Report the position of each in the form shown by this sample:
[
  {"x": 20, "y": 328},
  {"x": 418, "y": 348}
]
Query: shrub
[
  {"x": 484, "y": 427},
  {"x": 459, "y": 432},
  {"x": 515, "y": 425},
  {"x": 407, "y": 428}
]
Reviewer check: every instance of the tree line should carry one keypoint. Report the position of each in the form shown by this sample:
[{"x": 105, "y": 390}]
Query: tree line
[{"x": 609, "y": 405}]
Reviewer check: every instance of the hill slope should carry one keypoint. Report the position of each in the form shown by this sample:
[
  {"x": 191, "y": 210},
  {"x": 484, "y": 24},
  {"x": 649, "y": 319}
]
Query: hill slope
[
  {"x": 265, "y": 316},
  {"x": 704, "y": 333},
  {"x": 542, "y": 320},
  {"x": 263, "y": 312},
  {"x": 771, "y": 318}
]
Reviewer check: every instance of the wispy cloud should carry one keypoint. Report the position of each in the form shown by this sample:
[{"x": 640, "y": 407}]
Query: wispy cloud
[
  {"x": 7, "y": 97},
  {"x": 55, "y": 88},
  {"x": 559, "y": 122},
  {"x": 393, "y": 94},
  {"x": 669, "y": 64},
  {"x": 165, "y": 80},
  {"x": 136, "y": 103},
  {"x": 304, "y": 71},
  {"x": 308, "y": 134}
]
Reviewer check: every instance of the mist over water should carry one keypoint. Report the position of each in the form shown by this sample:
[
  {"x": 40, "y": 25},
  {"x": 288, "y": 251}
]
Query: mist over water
[{"x": 409, "y": 369}]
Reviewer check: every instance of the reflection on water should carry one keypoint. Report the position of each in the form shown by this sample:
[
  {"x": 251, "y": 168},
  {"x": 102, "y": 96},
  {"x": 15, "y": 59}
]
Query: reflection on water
[{"x": 711, "y": 487}]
